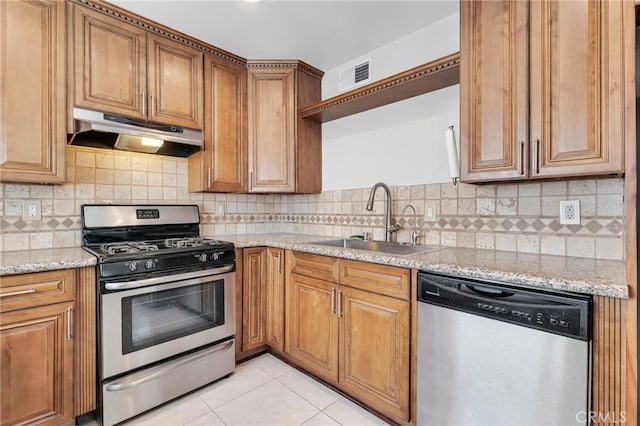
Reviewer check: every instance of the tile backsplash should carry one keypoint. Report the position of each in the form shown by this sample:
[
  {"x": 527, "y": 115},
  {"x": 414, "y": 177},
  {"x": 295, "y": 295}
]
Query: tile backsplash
[{"x": 519, "y": 217}]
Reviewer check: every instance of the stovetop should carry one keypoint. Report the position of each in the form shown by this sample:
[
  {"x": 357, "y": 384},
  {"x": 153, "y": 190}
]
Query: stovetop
[
  {"x": 131, "y": 241},
  {"x": 159, "y": 247}
]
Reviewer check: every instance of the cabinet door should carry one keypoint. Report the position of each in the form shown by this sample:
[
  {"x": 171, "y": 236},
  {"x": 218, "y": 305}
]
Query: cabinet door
[
  {"x": 225, "y": 126},
  {"x": 254, "y": 279},
  {"x": 374, "y": 350},
  {"x": 32, "y": 92},
  {"x": 577, "y": 87},
  {"x": 312, "y": 326},
  {"x": 275, "y": 298},
  {"x": 271, "y": 130},
  {"x": 493, "y": 90},
  {"x": 36, "y": 366},
  {"x": 175, "y": 83},
  {"x": 110, "y": 64}
]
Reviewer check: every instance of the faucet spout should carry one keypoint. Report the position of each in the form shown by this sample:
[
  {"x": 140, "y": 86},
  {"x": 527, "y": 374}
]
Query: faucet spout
[{"x": 390, "y": 229}]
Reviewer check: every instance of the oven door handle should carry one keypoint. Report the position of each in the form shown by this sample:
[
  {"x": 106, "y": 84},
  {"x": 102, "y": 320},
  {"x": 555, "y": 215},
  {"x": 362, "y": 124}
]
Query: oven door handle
[
  {"x": 155, "y": 372},
  {"x": 126, "y": 285}
]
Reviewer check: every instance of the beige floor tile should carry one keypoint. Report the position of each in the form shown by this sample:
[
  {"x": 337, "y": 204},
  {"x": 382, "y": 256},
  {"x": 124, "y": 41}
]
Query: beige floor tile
[
  {"x": 321, "y": 419},
  {"x": 271, "y": 365},
  {"x": 271, "y": 404},
  {"x": 347, "y": 413},
  {"x": 177, "y": 413},
  {"x": 311, "y": 390},
  {"x": 209, "y": 419},
  {"x": 245, "y": 378}
]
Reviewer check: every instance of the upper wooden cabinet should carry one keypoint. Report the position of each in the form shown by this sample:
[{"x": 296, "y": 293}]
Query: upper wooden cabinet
[
  {"x": 285, "y": 152},
  {"x": 123, "y": 69},
  {"x": 174, "y": 83},
  {"x": 552, "y": 111},
  {"x": 221, "y": 166},
  {"x": 577, "y": 87},
  {"x": 32, "y": 92}
]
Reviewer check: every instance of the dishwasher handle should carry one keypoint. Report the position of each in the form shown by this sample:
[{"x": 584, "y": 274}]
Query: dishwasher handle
[{"x": 488, "y": 292}]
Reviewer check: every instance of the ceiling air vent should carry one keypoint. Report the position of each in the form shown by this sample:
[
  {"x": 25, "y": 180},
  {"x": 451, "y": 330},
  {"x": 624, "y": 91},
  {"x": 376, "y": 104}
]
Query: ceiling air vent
[{"x": 355, "y": 74}]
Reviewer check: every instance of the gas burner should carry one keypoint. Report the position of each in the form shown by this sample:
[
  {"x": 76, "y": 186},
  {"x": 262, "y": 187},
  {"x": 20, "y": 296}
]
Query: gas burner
[
  {"x": 127, "y": 247},
  {"x": 189, "y": 242}
]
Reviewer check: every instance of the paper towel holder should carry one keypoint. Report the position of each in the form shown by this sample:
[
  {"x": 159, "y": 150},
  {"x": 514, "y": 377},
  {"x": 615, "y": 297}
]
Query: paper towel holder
[{"x": 452, "y": 154}]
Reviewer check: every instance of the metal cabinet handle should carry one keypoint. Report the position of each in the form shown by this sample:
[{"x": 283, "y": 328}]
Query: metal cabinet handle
[
  {"x": 144, "y": 104},
  {"x": 152, "y": 106},
  {"x": 15, "y": 293},
  {"x": 279, "y": 263},
  {"x": 333, "y": 301},
  {"x": 520, "y": 157},
  {"x": 208, "y": 177},
  {"x": 339, "y": 303},
  {"x": 69, "y": 323},
  {"x": 536, "y": 157},
  {"x": 250, "y": 181}
]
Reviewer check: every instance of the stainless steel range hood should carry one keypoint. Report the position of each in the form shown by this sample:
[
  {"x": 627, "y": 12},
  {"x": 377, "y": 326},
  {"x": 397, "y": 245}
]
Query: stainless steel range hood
[{"x": 104, "y": 130}]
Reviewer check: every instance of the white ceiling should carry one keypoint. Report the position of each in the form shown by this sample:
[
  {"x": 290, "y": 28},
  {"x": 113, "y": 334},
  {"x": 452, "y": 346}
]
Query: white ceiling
[{"x": 323, "y": 33}]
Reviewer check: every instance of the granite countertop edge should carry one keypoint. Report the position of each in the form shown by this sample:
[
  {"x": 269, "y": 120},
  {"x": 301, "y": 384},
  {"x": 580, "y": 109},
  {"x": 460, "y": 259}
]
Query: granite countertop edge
[
  {"x": 42, "y": 260},
  {"x": 30, "y": 261},
  {"x": 593, "y": 286}
]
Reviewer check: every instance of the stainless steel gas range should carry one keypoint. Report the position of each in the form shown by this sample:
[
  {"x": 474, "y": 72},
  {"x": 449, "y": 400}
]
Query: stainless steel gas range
[{"x": 166, "y": 305}]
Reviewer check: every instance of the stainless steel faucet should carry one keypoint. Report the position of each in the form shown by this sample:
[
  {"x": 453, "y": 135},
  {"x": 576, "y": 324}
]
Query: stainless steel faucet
[
  {"x": 390, "y": 229},
  {"x": 415, "y": 234}
]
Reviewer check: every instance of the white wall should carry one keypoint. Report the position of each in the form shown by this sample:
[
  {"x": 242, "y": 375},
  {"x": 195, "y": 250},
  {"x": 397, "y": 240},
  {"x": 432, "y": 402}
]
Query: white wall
[{"x": 401, "y": 143}]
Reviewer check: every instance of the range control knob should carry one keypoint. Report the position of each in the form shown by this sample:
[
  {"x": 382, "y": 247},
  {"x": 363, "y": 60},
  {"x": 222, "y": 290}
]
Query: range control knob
[
  {"x": 149, "y": 264},
  {"x": 202, "y": 257},
  {"x": 133, "y": 266},
  {"x": 216, "y": 254}
]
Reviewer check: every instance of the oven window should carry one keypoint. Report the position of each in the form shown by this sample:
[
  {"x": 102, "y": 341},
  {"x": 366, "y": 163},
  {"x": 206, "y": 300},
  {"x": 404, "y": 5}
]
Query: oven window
[{"x": 153, "y": 318}]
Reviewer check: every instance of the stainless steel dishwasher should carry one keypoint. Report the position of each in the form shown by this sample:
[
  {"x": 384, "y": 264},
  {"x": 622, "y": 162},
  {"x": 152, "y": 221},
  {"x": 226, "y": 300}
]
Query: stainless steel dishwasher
[{"x": 491, "y": 354}]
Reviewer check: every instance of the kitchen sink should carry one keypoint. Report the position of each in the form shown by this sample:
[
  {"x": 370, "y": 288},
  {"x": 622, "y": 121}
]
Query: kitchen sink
[{"x": 379, "y": 246}]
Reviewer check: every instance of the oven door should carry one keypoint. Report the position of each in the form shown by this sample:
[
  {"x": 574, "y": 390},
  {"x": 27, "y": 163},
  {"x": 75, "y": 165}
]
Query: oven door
[{"x": 143, "y": 323}]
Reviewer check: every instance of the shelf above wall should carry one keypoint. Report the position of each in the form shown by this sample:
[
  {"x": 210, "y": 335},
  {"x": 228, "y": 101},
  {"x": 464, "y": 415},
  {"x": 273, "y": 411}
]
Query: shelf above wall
[{"x": 434, "y": 75}]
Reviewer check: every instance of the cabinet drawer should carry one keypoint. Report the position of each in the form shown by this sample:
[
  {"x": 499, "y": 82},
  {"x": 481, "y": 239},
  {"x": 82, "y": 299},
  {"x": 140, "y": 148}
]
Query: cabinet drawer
[
  {"x": 381, "y": 279},
  {"x": 29, "y": 290},
  {"x": 312, "y": 265}
]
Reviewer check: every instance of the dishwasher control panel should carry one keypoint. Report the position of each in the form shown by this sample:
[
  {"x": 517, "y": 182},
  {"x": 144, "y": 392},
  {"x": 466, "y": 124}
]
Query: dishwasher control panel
[{"x": 557, "y": 313}]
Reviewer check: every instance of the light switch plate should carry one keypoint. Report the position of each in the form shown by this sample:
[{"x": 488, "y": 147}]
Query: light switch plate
[
  {"x": 570, "y": 212},
  {"x": 430, "y": 211},
  {"x": 220, "y": 209},
  {"x": 32, "y": 210}
]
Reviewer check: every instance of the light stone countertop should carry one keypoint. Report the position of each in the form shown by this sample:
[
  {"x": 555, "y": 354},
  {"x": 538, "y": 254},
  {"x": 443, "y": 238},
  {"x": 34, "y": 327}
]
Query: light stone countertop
[
  {"x": 26, "y": 261},
  {"x": 579, "y": 275}
]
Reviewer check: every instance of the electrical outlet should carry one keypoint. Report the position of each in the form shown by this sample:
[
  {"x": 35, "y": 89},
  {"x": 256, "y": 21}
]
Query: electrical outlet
[
  {"x": 220, "y": 209},
  {"x": 31, "y": 210},
  {"x": 430, "y": 211},
  {"x": 570, "y": 212}
]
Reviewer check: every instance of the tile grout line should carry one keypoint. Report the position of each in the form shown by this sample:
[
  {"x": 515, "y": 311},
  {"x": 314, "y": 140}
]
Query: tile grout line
[{"x": 230, "y": 401}]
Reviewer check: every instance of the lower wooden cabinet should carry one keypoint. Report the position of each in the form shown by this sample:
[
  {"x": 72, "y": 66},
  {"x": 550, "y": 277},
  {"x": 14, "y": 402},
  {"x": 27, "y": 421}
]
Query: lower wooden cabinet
[
  {"x": 374, "y": 350},
  {"x": 312, "y": 325},
  {"x": 253, "y": 298},
  {"x": 355, "y": 339},
  {"x": 262, "y": 282},
  {"x": 275, "y": 299},
  {"x": 37, "y": 365}
]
